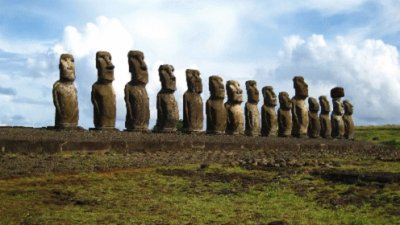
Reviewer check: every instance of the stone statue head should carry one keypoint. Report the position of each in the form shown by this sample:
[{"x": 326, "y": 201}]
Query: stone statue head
[
  {"x": 284, "y": 101},
  {"x": 253, "y": 95},
  {"x": 216, "y": 87},
  {"x": 194, "y": 82},
  {"x": 167, "y": 77},
  {"x": 234, "y": 92},
  {"x": 313, "y": 105},
  {"x": 137, "y": 67},
  {"x": 105, "y": 68},
  {"x": 325, "y": 106},
  {"x": 337, "y": 107},
  {"x": 269, "y": 96},
  {"x": 67, "y": 67},
  {"x": 301, "y": 87},
  {"x": 348, "y": 107}
]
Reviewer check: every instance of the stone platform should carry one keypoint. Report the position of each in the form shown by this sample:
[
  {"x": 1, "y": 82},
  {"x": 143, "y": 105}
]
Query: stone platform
[
  {"x": 40, "y": 140},
  {"x": 34, "y": 151}
]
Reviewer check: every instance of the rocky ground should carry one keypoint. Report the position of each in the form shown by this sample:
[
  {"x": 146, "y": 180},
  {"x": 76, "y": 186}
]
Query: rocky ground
[{"x": 35, "y": 151}]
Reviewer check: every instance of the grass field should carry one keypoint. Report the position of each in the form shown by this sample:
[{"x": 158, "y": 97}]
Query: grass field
[
  {"x": 388, "y": 134},
  {"x": 213, "y": 194}
]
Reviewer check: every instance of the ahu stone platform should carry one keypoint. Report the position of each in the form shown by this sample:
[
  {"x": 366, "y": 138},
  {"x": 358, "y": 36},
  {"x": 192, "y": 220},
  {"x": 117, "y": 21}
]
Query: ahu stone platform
[{"x": 37, "y": 140}]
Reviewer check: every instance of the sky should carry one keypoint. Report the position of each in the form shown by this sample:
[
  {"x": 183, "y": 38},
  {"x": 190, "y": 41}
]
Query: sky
[{"x": 349, "y": 43}]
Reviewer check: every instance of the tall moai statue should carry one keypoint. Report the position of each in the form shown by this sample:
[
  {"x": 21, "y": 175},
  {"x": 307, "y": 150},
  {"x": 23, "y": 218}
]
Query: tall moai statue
[
  {"x": 103, "y": 94},
  {"x": 337, "y": 114},
  {"x": 252, "y": 115},
  {"x": 269, "y": 120},
  {"x": 325, "y": 121},
  {"x": 215, "y": 109},
  {"x": 65, "y": 95},
  {"x": 167, "y": 107},
  {"x": 136, "y": 98},
  {"x": 235, "y": 115},
  {"x": 348, "y": 120},
  {"x": 193, "y": 103},
  {"x": 314, "y": 126},
  {"x": 299, "y": 109},
  {"x": 284, "y": 115}
]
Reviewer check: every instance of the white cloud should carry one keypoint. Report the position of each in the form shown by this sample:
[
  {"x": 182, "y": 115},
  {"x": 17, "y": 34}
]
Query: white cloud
[
  {"x": 106, "y": 34},
  {"x": 369, "y": 70},
  {"x": 237, "y": 40}
]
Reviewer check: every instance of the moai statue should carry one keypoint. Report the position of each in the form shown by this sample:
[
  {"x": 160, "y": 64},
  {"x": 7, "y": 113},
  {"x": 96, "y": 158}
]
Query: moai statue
[
  {"x": 348, "y": 120},
  {"x": 325, "y": 121},
  {"x": 314, "y": 126},
  {"x": 193, "y": 103},
  {"x": 103, "y": 94},
  {"x": 337, "y": 114},
  {"x": 65, "y": 96},
  {"x": 235, "y": 115},
  {"x": 252, "y": 115},
  {"x": 284, "y": 115},
  {"x": 136, "y": 98},
  {"x": 299, "y": 109},
  {"x": 215, "y": 109},
  {"x": 269, "y": 120},
  {"x": 167, "y": 107}
]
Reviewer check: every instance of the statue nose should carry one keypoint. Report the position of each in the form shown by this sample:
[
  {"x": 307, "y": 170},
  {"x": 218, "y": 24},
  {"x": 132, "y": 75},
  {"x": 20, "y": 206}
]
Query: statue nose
[{"x": 110, "y": 66}]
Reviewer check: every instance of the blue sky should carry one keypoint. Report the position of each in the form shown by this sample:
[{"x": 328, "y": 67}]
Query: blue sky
[{"x": 349, "y": 43}]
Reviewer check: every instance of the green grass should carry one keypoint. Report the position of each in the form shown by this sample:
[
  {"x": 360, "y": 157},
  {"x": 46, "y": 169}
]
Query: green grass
[
  {"x": 388, "y": 134},
  {"x": 189, "y": 195},
  {"x": 180, "y": 195}
]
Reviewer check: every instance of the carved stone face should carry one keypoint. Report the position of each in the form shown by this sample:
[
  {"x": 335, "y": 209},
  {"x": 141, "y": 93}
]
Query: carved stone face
[
  {"x": 216, "y": 86},
  {"x": 325, "y": 106},
  {"x": 337, "y": 106},
  {"x": 167, "y": 78},
  {"x": 269, "y": 96},
  {"x": 67, "y": 67},
  {"x": 137, "y": 67},
  {"x": 284, "y": 101},
  {"x": 105, "y": 68},
  {"x": 235, "y": 93},
  {"x": 253, "y": 95},
  {"x": 313, "y": 105},
  {"x": 301, "y": 87},
  {"x": 348, "y": 107},
  {"x": 194, "y": 81}
]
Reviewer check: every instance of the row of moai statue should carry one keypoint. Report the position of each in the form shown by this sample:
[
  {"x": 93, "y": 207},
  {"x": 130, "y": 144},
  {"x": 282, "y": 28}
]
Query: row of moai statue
[{"x": 292, "y": 118}]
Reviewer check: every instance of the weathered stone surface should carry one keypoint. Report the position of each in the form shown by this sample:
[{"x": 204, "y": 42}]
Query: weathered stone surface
[
  {"x": 325, "y": 121},
  {"x": 314, "y": 126},
  {"x": 215, "y": 109},
  {"x": 65, "y": 96},
  {"x": 167, "y": 107},
  {"x": 235, "y": 115},
  {"x": 136, "y": 98},
  {"x": 337, "y": 92},
  {"x": 337, "y": 113},
  {"x": 103, "y": 94},
  {"x": 150, "y": 149},
  {"x": 193, "y": 103},
  {"x": 252, "y": 115},
  {"x": 348, "y": 120},
  {"x": 269, "y": 119},
  {"x": 284, "y": 115},
  {"x": 299, "y": 109}
]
